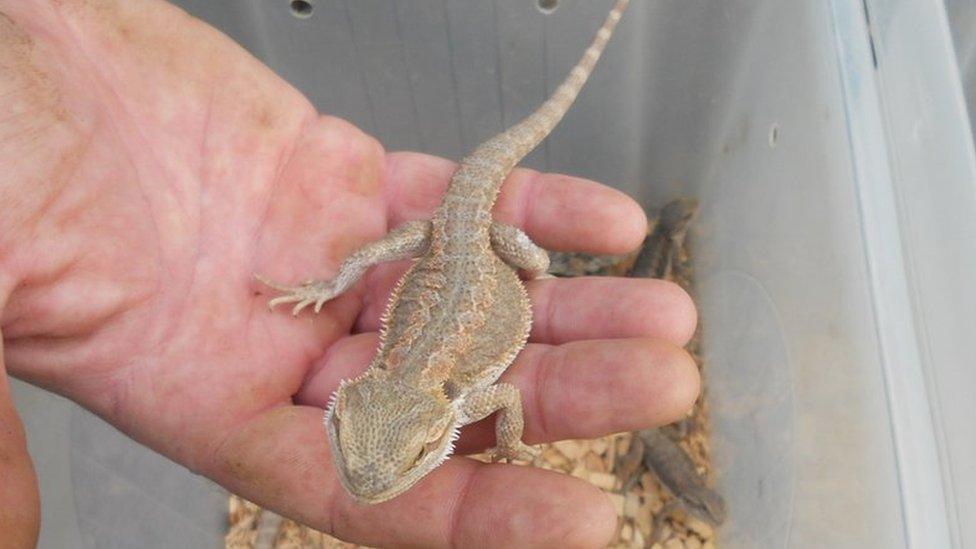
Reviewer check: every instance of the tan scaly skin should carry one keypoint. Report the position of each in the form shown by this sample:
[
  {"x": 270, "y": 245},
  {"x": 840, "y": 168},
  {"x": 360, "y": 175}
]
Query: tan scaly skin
[{"x": 454, "y": 324}]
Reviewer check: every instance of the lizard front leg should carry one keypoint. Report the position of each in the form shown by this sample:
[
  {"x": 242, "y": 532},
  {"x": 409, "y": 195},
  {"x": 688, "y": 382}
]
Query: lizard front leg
[
  {"x": 505, "y": 399},
  {"x": 517, "y": 249},
  {"x": 408, "y": 240}
]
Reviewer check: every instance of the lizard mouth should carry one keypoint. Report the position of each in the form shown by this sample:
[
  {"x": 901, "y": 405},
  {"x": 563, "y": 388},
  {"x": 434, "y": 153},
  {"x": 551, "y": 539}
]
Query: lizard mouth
[{"x": 435, "y": 453}]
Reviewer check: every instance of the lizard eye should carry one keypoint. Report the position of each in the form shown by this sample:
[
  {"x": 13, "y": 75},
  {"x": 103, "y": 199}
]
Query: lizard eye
[
  {"x": 436, "y": 431},
  {"x": 412, "y": 463},
  {"x": 429, "y": 445},
  {"x": 432, "y": 436}
]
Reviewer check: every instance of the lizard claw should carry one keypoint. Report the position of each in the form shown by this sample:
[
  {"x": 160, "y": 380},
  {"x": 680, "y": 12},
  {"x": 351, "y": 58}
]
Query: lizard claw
[
  {"x": 310, "y": 292},
  {"x": 510, "y": 453}
]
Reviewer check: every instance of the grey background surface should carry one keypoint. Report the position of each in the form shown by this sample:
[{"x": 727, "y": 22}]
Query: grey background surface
[{"x": 744, "y": 104}]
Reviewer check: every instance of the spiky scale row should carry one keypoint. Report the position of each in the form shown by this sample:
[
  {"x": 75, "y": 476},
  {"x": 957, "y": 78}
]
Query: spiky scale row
[{"x": 460, "y": 261}]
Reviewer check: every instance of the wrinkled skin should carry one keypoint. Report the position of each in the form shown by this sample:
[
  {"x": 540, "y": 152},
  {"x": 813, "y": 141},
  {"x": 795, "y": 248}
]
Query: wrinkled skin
[{"x": 151, "y": 168}]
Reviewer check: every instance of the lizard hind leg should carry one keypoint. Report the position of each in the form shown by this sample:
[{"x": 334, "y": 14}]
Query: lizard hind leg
[
  {"x": 406, "y": 241},
  {"x": 516, "y": 249},
  {"x": 505, "y": 399}
]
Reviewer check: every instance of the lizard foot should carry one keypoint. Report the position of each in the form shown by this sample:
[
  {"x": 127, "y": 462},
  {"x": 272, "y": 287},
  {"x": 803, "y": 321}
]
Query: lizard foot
[
  {"x": 310, "y": 292},
  {"x": 519, "y": 450}
]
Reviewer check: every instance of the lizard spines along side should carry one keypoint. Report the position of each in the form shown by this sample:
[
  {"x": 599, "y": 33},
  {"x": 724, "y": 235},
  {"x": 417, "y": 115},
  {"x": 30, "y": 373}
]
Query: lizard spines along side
[{"x": 460, "y": 255}]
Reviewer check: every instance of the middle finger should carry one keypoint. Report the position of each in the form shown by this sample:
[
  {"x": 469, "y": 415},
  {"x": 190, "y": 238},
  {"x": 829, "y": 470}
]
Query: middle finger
[{"x": 569, "y": 309}]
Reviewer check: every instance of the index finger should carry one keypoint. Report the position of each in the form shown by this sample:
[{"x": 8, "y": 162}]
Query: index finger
[{"x": 559, "y": 212}]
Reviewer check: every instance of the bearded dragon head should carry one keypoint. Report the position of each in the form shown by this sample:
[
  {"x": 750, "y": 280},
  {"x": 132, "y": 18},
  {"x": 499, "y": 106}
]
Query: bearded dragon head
[
  {"x": 705, "y": 504},
  {"x": 386, "y": 435}
]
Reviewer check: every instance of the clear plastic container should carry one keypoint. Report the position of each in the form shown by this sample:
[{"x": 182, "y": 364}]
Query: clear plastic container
[{"x": 829, "y": 146}]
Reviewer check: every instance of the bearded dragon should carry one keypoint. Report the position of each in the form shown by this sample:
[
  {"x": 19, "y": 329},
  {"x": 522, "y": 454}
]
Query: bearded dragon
[
  {"x": 660, "y": 257},
  {"x": 454, "y": 323}
]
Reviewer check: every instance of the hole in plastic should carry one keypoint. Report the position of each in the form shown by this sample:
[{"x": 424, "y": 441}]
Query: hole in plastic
[
  {"x": 301, "y": 9},
  {"x": 548, "y": 6},
  {"x": 773, "y": 135}
]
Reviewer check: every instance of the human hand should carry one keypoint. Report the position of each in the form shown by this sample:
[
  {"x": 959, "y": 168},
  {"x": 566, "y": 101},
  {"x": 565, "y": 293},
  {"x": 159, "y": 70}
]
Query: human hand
[
  {"x": 152, "y": 167},
  {"x": 20, "y": 511}
]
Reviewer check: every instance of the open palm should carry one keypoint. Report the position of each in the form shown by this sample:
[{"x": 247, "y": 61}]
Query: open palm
[{"x": 153, "y": 167}]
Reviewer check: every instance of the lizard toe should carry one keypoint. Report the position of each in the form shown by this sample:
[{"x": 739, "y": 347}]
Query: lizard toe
[{"x": 520, "y": 451}]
